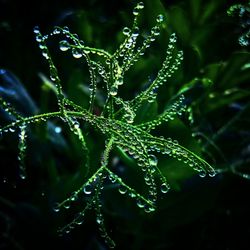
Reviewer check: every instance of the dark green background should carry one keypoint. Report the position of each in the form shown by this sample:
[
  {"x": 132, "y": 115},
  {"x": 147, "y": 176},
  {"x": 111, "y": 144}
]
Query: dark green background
[{"x": 208, "y": 213}]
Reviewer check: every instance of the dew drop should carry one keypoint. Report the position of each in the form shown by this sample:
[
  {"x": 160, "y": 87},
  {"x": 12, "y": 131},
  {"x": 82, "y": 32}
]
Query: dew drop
[
  {"x": 153, "y": 160},
  {"x": 65, "y": 29},
  {"x": 64, "y": 45},
  {"x": 132, "y": 195},
  {"x": 53, "y": 73},
  {"x": 81, "y": 42},
  {"x": 159, "y": 18},
  {"x": 119, "y": 81},
  {"x": 202, "y": 174},
  {"x": 140, "y": 203},
  {"x": 99, "y": 219},
  {"x": 45, "y": 53},
  {"x": 212, "y": 173},
  {"x": 135, "y": 32},
  {"x": 76, "y": 53},
  {"x": 73, "y": 197},
  {"x": 113, "y": 90},
  {"x": 126, "y": 31},
  {"x": 151, "y": 98},
  {"x": 164, "y": 188},
  {"x": 56, "y": 31},
  {"x": 39, "y": 38},
  {"x": 191, "y": 164},
  {"x": 140, "y": 5},
  {"x": 136, "y": 11},
  {"x": 148, "y": 209},
  {"x": 66, "y": 204},
  {"x": 112, "y": 179},
  {"x": 56, "y": 207},
  {"x": 36, "y": 30},
  {"x": 122, "y": 190},
  {"x": 22, "y": 175},
  {"x": 87, "y": 189},
  {"x": 12, "y": 130},
  {"x": 76, "y": 125},
  {"x": 151, "y": 209},
  {"x": 108, "y": 61},
  {"x": 79, "y": 219}
]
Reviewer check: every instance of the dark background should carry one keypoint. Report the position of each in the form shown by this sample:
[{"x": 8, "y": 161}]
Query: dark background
[{"x": 198, "y": 213}]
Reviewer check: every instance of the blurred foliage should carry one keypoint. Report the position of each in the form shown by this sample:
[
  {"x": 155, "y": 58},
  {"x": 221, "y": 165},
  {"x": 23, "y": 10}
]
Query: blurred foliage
[{"x": 215, "y": 76}]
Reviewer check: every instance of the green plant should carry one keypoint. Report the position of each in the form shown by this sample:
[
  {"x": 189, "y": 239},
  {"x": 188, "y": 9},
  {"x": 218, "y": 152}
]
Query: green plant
[{"x": 131, "y": 139}]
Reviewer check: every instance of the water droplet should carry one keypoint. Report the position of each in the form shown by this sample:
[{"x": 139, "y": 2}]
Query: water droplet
[
  {"x": 39, "y": 38},
  {"x": 53, "y": 73},
  {"x": 45, "y": 53},
  {"x": 119, "y": 81},
  {"x": 73, "y": 197},
  {"x": 151, "y": 209},
  {"x": 76, "y": 53},
  {"x": 202, "y": 174},
  {"x": 76, "y": 125},
  {"x": 81, "y": 42},
  {"x": 212, "y": 173},
  {"x": 135, "y": 32},
  {"x": 164, "y": 188},
  {"x": 79, "y": 219},
  {"x": 129, "y": 118},
  {"x": 87, "y": 189},
  {"x": 65, "y": 29},
  {"x": 159, "y": 18},
  {"x": 126, "y": 31},
  {"x": 113, "y": 90},
  {"x": 64, "y": 45},
  {"x": 191, "y": 164},
  {"x": 108, "y": 61},
  {"x": 122, "y": 190},
  {"x": 112, "y": 178},
  {"x": 140, "y": 203},
  {"x": 66, "y": 204},
  {"x": 36, "y": 30},
  {"x": 22, "y": 175},
  {"x": 56, "y": 207},
  {"x": 136, "y": 11},
  {"x": 56, "y": 31},
  {"x": 132, "y": 195},
  {"x": 99, "y": 219},
  {"x": 140, "y": 5},
  {"x": 153, "y": 160},
  {"x": 12, "y": 130},
  {"x": 148, "y": 209}
]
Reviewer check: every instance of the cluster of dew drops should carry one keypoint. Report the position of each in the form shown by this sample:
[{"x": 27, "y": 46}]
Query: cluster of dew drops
[{"x": 77, "y": 53}]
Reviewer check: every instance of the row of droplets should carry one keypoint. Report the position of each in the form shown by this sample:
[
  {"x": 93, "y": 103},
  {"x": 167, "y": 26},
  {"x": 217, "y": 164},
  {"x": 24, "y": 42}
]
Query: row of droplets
[
  {"x": 173, "y": 149},
  {"x": 177, "y": 108}
]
